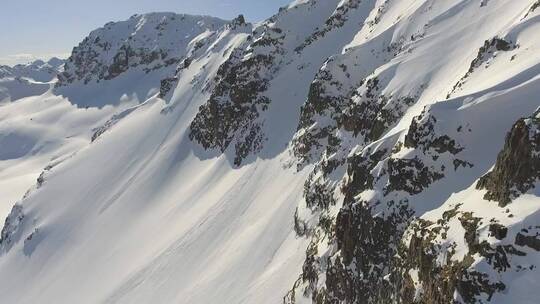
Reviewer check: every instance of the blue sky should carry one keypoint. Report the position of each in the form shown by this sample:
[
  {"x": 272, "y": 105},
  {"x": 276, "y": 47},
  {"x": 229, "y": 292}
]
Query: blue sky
[{"x": 42, "y": 28}]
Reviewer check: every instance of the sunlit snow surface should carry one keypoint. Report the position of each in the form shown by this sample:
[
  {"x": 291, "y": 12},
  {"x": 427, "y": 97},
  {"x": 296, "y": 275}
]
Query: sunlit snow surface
[{"x": 144, "y": 215}]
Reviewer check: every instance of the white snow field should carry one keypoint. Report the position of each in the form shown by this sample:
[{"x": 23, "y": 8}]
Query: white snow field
[
  {"x": 150, "y": 218},
  {"x": 108, "y": 198}
]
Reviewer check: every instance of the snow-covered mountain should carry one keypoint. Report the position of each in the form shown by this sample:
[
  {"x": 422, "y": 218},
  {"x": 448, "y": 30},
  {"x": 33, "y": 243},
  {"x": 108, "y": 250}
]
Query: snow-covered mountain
[
  {"x": 30, "y": 79},
  {"x": 342, "y": 151},
  {"x": 38, "y": 70},
  {"x": 150, "y": 46}
]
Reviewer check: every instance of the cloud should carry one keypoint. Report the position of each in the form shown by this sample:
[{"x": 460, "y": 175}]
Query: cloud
[{"x": 14, "y": 59}]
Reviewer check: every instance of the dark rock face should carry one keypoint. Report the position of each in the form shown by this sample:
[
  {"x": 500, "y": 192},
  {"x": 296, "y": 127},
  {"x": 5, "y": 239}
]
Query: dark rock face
[
  {"x": 358, "y": 273},
  {"x": 436, "y": 283},
  {"x": 231, "y": 112},
  {"x": 121, "y": 62},
  {"x": 422, "y": 135},
  {"x": 166, "y": 86},
  {"x": 410, "y": 175},
  {"x": 365, "y": 242},
  {"x": 238, "y": 22},
  {"x": 529, "y": 237},
  {"x": 318, "y": 192},
  {"x": 365, "y": 237},
  {"x": 11, "y": 227},
  {"x": 309, "y": 144},
  {"x": 231, "y": 115},
  {"x": 365, "y": 112},
  {"x": 359, "y": 169},
  {"x": 86, "y": 65},
  {"x": 535, "y": 6},
  {"x": 531, "y": 241},
  {"x": 518, "y": 164},
  {"x": 336, "y": 20},
  {"x": 374, "y": 113},
  {"x": 498, "y": 231},
  {"x": 430, "y": 253}
]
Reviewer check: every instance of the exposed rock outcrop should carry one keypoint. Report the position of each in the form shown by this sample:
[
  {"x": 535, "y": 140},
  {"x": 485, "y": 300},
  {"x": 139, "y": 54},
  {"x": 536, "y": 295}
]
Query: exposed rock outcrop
[
  {"x": 237, "y": 101},
  {"x": 518, "y": 164},
  {"x": 117, "y": 47},
  {"x": 11, "y": 228},
  {"x": 486, "y": 53}
]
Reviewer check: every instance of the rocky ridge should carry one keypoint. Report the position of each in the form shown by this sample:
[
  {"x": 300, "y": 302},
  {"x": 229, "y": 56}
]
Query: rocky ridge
[
  {"x": 37, "y": 70},
  {"x": 149, "y": 42}
]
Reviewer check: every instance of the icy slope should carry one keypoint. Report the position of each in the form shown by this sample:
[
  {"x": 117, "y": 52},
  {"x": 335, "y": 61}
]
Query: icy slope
[
  {"x": 152, "y": 218},
  {"x": 159, "y": 224},
  {"x": 38, "y": 131},
  {"x": 339, "y": 152}
]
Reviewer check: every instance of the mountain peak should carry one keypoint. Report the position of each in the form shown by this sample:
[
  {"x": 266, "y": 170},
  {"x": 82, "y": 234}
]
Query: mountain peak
[{"x": 150, "y": 41}]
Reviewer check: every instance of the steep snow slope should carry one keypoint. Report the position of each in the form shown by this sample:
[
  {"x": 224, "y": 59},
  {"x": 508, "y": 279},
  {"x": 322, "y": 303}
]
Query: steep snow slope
[
  {"x": 36, "y": 127},
  {"x": 38, "y": 131},
  {"x": 199, "y": 222},
  {"x": 342, "y": 151},
  {"x": 173, "y": 228}
]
